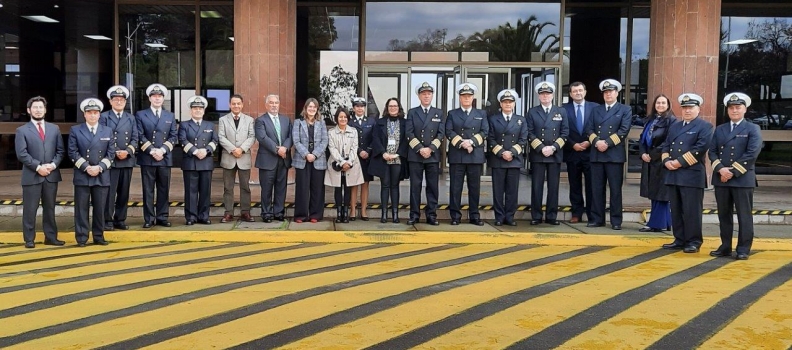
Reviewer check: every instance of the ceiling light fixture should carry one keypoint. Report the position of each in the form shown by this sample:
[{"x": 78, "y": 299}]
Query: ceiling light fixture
[
  {"x": 156, "y": 45},
  {"x": 231, "y": 38},
  {"x": 41, "y": 19},
  {"x": 740, "y": 41},
  {"x": 97, "y": 37}
]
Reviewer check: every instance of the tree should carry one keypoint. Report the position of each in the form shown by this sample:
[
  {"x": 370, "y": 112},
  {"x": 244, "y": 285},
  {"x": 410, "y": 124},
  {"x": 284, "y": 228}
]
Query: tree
[
  {"x": 514, "y": 44},
  {"x": 337, "y": 89}
]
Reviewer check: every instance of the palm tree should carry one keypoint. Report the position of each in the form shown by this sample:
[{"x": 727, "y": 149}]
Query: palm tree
[{"x": 515, "y": 44}]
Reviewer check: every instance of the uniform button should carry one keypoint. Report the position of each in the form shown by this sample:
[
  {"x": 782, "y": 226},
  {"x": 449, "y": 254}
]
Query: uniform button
[
  {"x": 672, "y": 143},
  {"x": 680, "y": 142},
  {"x": 732, "y": 147},
  {"x": 679, "y": 150}
]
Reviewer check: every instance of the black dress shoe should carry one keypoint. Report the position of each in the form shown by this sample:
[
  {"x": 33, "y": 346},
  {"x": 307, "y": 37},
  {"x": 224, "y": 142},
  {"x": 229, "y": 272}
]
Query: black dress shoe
[
  {"x": 691, "y": 249},
  {"x": 649, "y": 229},
  {"x": 30, "y": 245},
  {"x": 432, "y": 222},
  {"x": 101, "y": 242},
  {"x": 674, "y": 246},
  {"x": 719, "y": 253},
  {"x": 121, "y": 226},
  {"x": 477, "y": 222},
  {"x": 536, "y": 222},
  {"x": 396, "y": 220},
  {"x": 81, "y": 245},
  {"x": 205, "y": 222},
  {"x": 280, "y": 218},
  {"x": 511, "y": 223},
  {"x": 267, "y": 219},
  {"x": 411, "y": 222},
  {"x": 164, "y": 223},
  {"x": 553, "y": 222},
  {"x": 108, "y": 228},
  {"x": 147, "y": 225},
  {"x": 454, "y": 222},
  {"x": 364, "y": 218},
  {"x": 189, "y": 223},
  {"x": 741, "y": 256},
  {"x": 616, "y": 227},
  {"x": 594, "y": 224},
  {"x": 55, "y": 242},
  {"x": 498, "y": 223}
]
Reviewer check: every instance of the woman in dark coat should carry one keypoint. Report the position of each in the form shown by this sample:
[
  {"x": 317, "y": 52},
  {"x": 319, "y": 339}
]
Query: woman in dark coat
[
  {"x": 389, "y": 155},
  {"x": 653, "y": 172}
]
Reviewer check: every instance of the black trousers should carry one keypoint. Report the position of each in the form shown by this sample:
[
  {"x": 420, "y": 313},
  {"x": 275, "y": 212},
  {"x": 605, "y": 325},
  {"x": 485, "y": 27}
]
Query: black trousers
[
  {"x": 577, "y": 171},
  {"x": 273, "y": 190},
  {"x": 686, "y": 211},
  {"x": 342, "y": 194},
  {"x": 155, "y": 177},
  {"x": 309, "y": 194},
  {"x": 612, "y": 176},
  {"x": 118, "y": 196},
  {"x": 728, "y": 198},
  {"x": 197, "y": 194},
  {"x": 31, "y": 195},
  {"x": 458, "y": 174},
  {"x": 505, "y": 190},
  {"x": 390, "y": 186},
  {"x": 541, "y": 172},
  {"x": 432, "y": 173},
  {"x": 84, "y": 198}
]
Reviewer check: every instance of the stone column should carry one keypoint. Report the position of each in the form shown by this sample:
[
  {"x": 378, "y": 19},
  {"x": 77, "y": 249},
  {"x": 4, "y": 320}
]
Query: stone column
[
  {"x": 264, "y": 55},
  {"x": 683, "y": 51}
]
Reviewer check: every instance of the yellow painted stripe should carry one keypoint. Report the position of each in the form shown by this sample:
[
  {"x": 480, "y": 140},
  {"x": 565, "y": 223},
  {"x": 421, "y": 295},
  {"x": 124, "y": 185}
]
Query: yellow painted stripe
[
  {"x": 28, "y": 296},
  {"x": 640, "y": 326},
  {"x": 68, "y": 272},
  {"x": 771, "y": 312},
  {"x": 53, "y": 252},
  {"x": 403, "y": 318},
  {"x": 530, "y": 317},
  {"x": 254, "y": 326},
  {"x": 146, "y": 322}
]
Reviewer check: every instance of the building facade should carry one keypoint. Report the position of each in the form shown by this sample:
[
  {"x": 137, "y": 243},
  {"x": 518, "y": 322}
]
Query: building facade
[{"x": 67, "y": 50}]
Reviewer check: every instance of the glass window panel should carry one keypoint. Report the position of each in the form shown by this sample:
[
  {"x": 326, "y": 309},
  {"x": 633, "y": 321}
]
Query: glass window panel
[
  {"x": 217, "y": 58},
  {"x": 507, "y": 31}
]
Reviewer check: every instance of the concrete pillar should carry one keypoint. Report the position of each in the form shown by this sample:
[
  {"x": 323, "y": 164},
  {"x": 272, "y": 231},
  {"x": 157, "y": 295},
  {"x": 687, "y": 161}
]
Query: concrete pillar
[
  {"x": 683, "y": 51},
  {"x": 264, "y": 55}
]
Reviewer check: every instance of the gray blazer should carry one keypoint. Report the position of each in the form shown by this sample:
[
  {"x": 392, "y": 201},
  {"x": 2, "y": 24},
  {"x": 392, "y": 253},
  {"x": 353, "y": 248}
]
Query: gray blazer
[
  {"x": 300, "y": 137},
  {"x": 32, "y": 152},
  {"x": 230, "y": 137},
  {"x": 267, "y": 157}
]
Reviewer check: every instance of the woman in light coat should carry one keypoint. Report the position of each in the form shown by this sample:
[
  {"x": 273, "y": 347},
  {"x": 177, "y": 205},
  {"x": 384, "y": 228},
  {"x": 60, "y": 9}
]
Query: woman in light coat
[
  {"x": 344, "y": 169},
  {"x": 310, "y": 141}
]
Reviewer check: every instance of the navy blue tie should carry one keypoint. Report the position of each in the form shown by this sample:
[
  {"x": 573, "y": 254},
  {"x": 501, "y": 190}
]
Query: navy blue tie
[{"x": 579, "y": 116}]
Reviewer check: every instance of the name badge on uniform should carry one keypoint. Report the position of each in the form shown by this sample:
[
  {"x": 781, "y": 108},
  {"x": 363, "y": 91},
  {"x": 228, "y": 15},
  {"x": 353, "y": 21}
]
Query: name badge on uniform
[
  {"x": 436, "y": 119},
  {"x": 104, "y": 139},
  {"x": 167, "y": 122},
  {"x": 391, "y": 142},
  {"x": 475, "y": 118},
  {"x": 740, "y": 135},
  {"x": 557, "y": 116},
  {"x": 208, "y": 130},
  {"x": 691, "y": 132}
]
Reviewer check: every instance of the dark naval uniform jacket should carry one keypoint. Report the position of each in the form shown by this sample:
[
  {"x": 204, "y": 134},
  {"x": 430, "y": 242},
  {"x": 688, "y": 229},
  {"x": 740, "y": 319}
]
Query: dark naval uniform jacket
[
  {"x": 87, "y": 149},
  {"x": 424, "y": 130},
  {"x": 459, "y": 127},
  {"x": 689, "y": 145},
  {"x": 364, "y": 129},
  {"x": 193, "y": 137},
  {"x": 737, "y": 149},
  {"x": 547, "y": 129},
  {"x": 125, "y": 136},
  {"x": 511, "y": 136},
  {"x": 612, "y": 126},
  {"x": 157, "y": 133}
]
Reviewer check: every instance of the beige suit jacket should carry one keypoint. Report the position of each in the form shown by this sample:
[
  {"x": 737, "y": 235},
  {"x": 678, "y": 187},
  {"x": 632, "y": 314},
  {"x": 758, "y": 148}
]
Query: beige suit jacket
[{"x": 231, "y": 137}]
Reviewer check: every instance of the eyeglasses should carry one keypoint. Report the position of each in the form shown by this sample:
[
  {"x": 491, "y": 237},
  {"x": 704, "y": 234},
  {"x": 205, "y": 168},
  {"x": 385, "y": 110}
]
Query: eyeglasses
[{"x": 393, "y": 106}]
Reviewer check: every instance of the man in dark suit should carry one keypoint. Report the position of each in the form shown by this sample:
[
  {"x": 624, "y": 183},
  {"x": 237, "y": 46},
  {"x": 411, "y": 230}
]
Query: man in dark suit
[
  {"x": 39, "y": 147},
  {"x": 548, "y": 129},
  {"x": 364, "y": 125},
  {"x": 576, "y": 152},
  {"x": 506, "y": 140},
  {"x": 683, "y": 155},
  {"x": 157, "y": 133},
  {"x": 274, "y": 134},
  {"x": 466, "y": 129},
  {"x": 425, "y": 132},
  {"x": 125, "y": 142},
  {"x": 607, "y": 129},
  {"x": 199, "y": 141},
  {"x": 92, "y": 149},
  {"x": 733, "y": 151}
]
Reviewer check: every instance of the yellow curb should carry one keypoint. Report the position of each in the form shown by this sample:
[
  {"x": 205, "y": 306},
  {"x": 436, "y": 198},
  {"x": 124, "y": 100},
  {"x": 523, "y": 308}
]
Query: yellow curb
[{"x": 419, "y": 237}]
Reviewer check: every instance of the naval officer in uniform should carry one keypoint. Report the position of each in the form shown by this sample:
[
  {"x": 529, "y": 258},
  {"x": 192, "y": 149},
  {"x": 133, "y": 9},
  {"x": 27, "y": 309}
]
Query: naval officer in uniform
[
  {"x": 683, "y": 155},
  {"x": 733, "y": 151},
  {"x": 607, "y": 129},
  {"x": 466, "y": 129},
  {"x": 548, "y": 130},
  {"x": 92, "y": 150},
  {"x": 506, "y": 140},
  {"x": 364, "y": 125},
  {"x": 199, "y": 141},
  {"x": 157, "y": 133},
  {"x": 125, "y": 141},
  {"x": 425, "y": 131}
]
